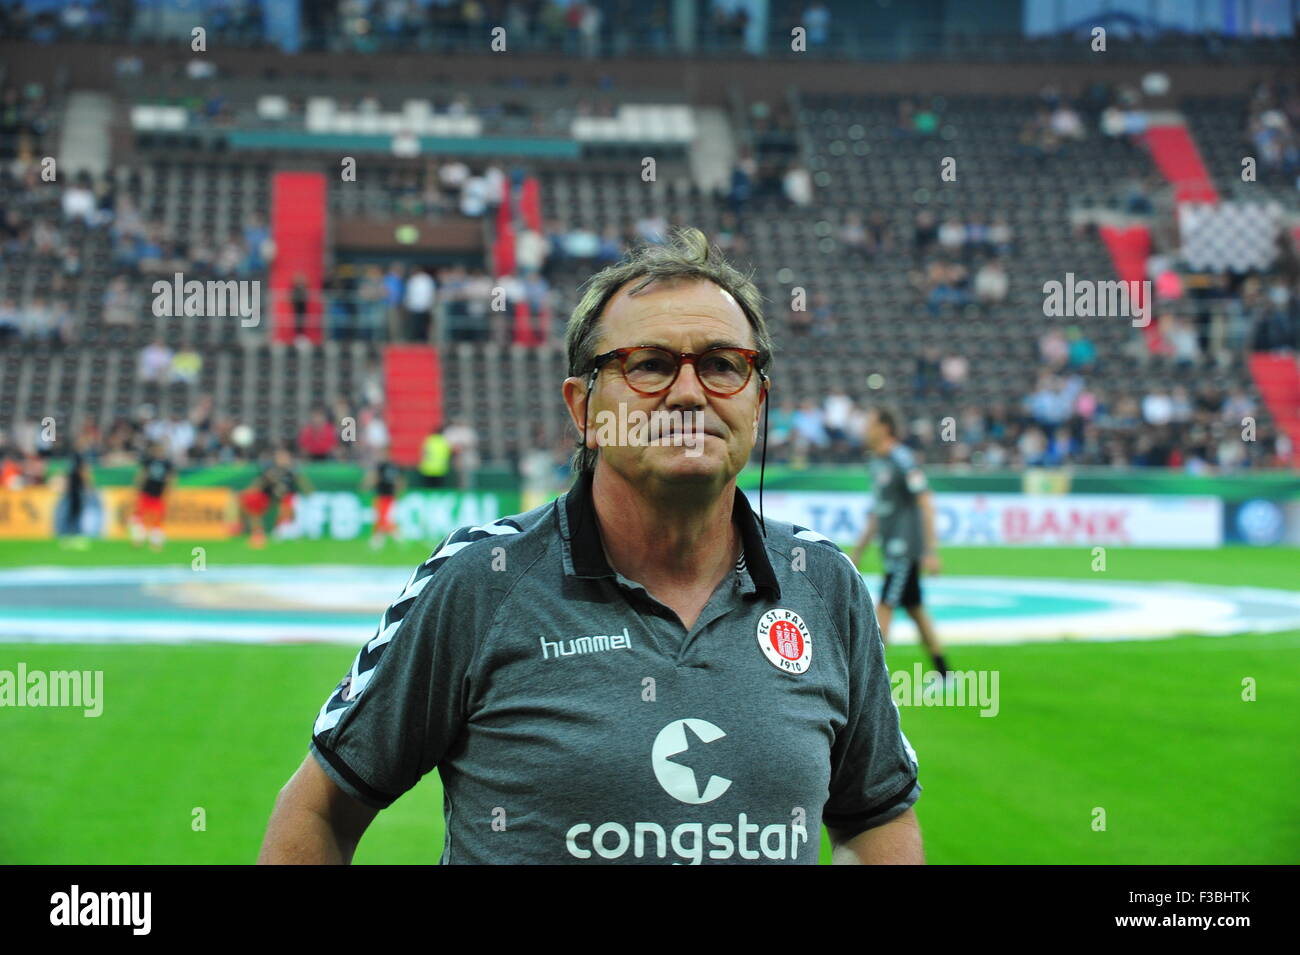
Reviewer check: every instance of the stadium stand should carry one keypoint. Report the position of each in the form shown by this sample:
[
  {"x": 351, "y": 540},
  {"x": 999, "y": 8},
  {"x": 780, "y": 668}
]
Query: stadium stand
[{"x": 923, "y": 293}]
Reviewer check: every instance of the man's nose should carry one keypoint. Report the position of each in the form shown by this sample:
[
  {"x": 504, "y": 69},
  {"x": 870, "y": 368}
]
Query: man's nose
[{"x": 687, "y": 391}]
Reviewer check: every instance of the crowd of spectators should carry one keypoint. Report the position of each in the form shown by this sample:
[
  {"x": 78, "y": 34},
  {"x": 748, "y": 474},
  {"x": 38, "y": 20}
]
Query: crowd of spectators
[
  {"x": 237, "y": 22},
  {"x": 771, "y": 176},
  {"x": 1069, "y": 419},
  {"x": 406, "y": 301},
  {"x": 573, "y": 28},
  {"x": 87, "y": 209},
  {"x": 398, "y": 302},
  {"x": 363, "y": 26},
  {"x": 201, "y": 435},
  {"x": 588, "y": 28},
  {"x": 1271, "y": 127},
  {"x": 1068, "y": 416},
  {"x": 37, "y": 224},
  {"x": 565, "y": 27},
  {"x": 24, "y": 118},
  {"x": 447, "y": 188},
  {"x": 1208, "y": 319},
  {"x": 1075, "y": 418},
  {"x": 1051, "y": 129},
  {"x": 955, "y": 262}
]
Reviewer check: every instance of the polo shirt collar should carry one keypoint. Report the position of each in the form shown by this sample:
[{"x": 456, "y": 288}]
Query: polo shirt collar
[{"x": 585, "y": 557}]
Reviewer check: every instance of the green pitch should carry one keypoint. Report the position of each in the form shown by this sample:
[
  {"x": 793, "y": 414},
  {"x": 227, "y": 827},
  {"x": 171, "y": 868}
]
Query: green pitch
[{"x": 1153, "y": 733}]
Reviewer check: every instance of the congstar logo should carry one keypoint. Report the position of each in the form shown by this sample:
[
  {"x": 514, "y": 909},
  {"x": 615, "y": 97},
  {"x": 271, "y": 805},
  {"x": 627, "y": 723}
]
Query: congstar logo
[{"x": 680, "y": 756}]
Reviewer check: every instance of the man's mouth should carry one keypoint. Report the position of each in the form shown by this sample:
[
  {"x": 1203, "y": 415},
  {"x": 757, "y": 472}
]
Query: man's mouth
[{"x": 694, "y": 434}]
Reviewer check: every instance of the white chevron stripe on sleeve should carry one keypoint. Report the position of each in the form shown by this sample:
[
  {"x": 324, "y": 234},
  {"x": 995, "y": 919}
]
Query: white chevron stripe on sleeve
[
  {"x": 496, "y": 527},
  {"x": 384, "y": 637},
  {"x": 814, "y": 536},
  {"x": 412, "y": 590},
  {"x": 448, "y": 550},
  {"x": 327, "y": 719}
]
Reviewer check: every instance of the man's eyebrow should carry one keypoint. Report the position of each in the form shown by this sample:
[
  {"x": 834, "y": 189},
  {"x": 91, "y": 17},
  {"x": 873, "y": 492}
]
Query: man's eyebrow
[{"x": 716, "y": 343}]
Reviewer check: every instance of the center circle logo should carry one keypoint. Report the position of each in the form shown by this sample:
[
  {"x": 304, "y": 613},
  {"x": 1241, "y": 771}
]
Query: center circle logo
[{"x": 785, "y": 640}]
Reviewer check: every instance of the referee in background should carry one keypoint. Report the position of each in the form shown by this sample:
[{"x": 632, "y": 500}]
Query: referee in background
[{"x": 903, "y": 512}]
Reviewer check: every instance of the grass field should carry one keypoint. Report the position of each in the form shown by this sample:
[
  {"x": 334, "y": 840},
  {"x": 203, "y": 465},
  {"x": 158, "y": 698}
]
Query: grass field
[{"x": 1154, "y": 732}]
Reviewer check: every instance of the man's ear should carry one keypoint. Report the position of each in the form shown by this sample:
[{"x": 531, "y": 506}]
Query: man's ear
[{"x": 576, "y": 397}]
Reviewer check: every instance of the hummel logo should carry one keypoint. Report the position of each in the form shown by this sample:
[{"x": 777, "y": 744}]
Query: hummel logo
[{"x": 617, "y": 641}]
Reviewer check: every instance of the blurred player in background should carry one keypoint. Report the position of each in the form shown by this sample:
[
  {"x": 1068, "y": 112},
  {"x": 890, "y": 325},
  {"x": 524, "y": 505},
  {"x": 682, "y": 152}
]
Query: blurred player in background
[
  {"x": 904, "y": 513},
  {"x": 152, "y": 482},
  {"x": 277, "y": 485},
  {"x": 76, "y": 489},
  {"x": 387, "y": 482}
]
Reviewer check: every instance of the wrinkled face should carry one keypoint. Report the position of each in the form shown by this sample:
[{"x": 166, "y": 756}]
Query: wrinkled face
[{"x": 681, "y": 317}]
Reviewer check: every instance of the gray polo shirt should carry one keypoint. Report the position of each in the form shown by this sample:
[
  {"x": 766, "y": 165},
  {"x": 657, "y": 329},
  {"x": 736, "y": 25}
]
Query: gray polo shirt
[{"x": 573, "y": 719}]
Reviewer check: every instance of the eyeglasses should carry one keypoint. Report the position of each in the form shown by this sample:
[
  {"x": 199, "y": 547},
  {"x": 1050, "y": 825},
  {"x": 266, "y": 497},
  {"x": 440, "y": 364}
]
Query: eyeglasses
[{"x": 651, "y": 371}]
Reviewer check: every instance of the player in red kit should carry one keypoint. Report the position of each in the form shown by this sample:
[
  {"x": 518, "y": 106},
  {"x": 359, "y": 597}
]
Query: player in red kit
[
  {"x": 387, "y": 481},
  {"x": 278, "y": 484},
  {"x": 154, "y": 480}
]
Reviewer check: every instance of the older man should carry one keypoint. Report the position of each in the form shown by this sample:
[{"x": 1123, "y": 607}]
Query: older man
[{"x": 635, "y": 672}]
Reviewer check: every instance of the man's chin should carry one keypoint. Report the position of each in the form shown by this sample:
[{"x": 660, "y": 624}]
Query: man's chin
[{"x": 685, "y": 466}]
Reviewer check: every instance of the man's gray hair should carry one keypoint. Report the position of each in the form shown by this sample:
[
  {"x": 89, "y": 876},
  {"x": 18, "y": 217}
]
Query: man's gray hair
[{"x": 688, "y": 256}]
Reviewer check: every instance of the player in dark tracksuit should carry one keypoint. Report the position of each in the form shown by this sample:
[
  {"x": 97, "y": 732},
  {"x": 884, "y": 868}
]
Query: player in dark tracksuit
[
  {"x": 904, "y": 515},
  {"x": 387, "y": 482},
  {"x": 75, "y": 493}
]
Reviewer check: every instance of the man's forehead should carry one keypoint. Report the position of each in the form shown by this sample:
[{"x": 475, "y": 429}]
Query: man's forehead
[{"x": 692, "y": 307}]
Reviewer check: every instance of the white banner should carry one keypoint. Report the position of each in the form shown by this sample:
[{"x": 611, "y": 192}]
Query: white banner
[{"x": 1023, "y": 519}]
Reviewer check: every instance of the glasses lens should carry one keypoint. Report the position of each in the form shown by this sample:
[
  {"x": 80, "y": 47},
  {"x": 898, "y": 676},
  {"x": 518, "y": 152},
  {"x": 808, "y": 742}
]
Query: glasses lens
[
  {"x": 649, "y": 369},
  {"x": 724, "y": 369}
]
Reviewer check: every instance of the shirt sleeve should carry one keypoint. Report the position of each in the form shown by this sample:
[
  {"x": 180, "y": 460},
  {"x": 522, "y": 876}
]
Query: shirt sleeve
[
  {"x": 873, "y": 766},
  {"x": 401, "y": 706}
]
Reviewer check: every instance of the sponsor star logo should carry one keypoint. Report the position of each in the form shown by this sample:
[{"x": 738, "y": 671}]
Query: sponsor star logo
[{"x": 679, "y": 751}]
